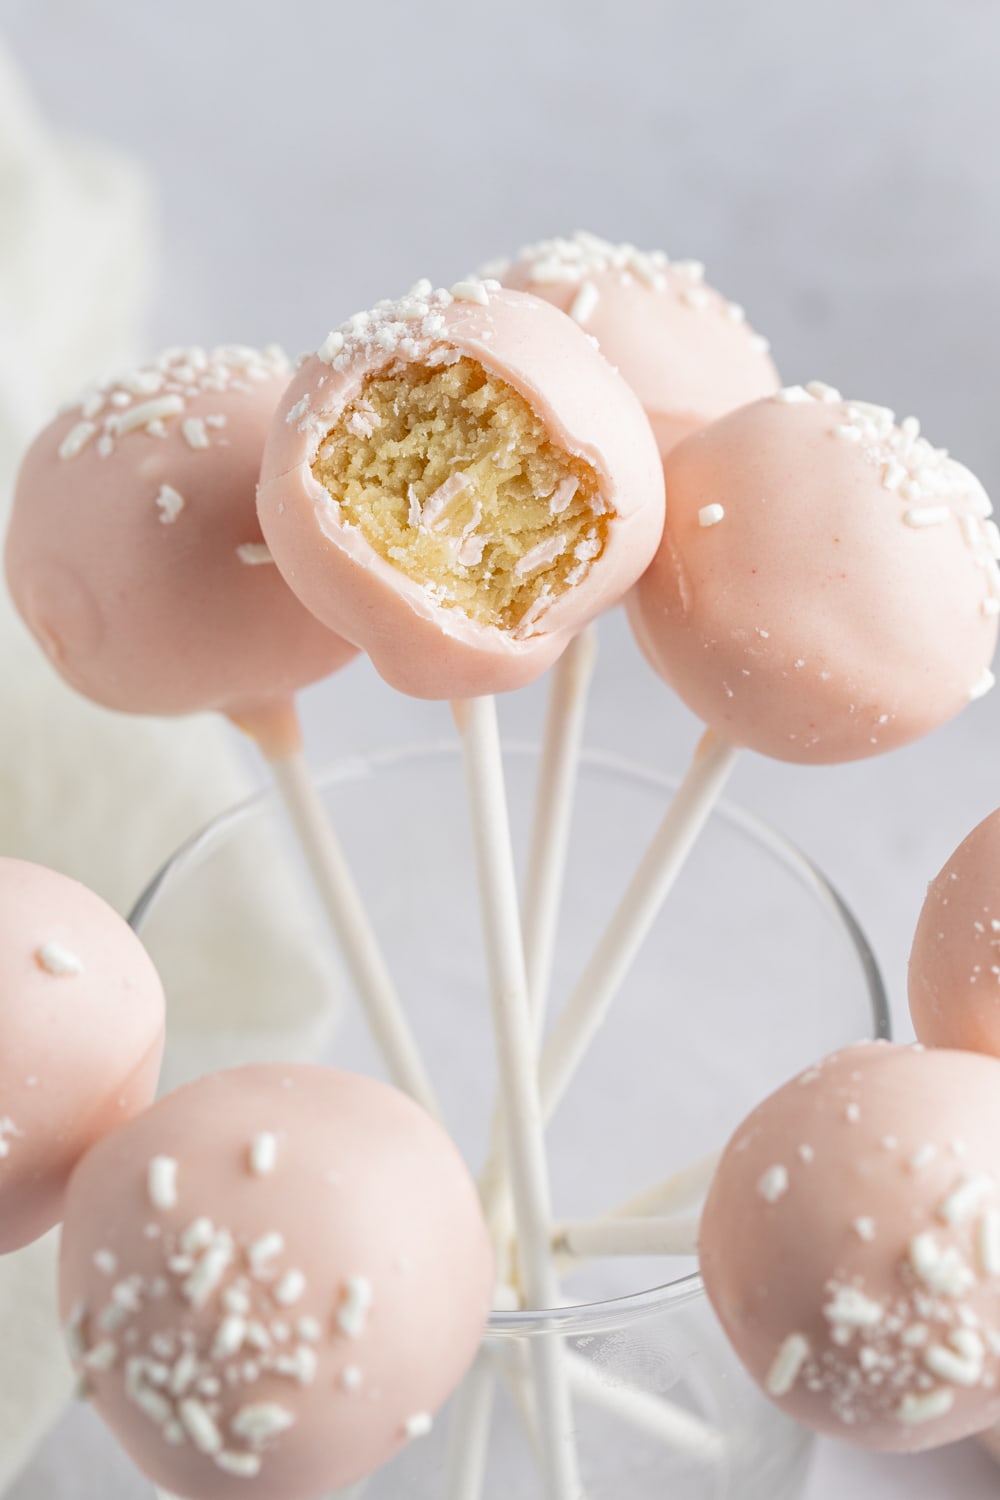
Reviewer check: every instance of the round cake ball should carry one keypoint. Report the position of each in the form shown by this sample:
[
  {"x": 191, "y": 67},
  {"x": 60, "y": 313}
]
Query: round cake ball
[
  {"x": 687, "y": 352},
  {"x": 81, "y": 1037},
  {"x": 954, "y": 976},
  {"x": 277, "y": 1275},
  {"x": 134, "y": 552},
  {"x": 827, "y": 585},
  {"x": 458, "y": 482},
  {"x": 850, "y": 1245}
]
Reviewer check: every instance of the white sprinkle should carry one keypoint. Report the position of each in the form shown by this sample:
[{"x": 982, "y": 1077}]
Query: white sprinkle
[
  {"x": 989, "y": 1242},
  {"x": 693, "y": 268},
  {"x": 170, "y": 503},
  {"x": 76, "y": 439},
  {"x": 964, "y": 1368},
  {"x": 194, "y": 432},
  {"x": 787, "y": 1364},
  {"x": 735, "y": 313},
  {"x": 471, "y": 291},
  {"x": 853, "y": 1309},
  {"x": 106, "y": 1261},
  {"x": 265, "y": 1420},
  {"x": 823, "y": 392},
  {"x": 943, "y": 1270},
  {"x": 926, "y": 515},
  {"x": 309, "y": 1329},
  {"x": 864, "y": 1228},
  {"x": 695, "y": 296},
  {"x": 352, "y": 1314},
  {"x": 980, "y": 688},
  {"x": 438, "y": 502},
  {"x": 199, "y": 1426},
  {"x": 584, "y": 303},
  {"x": 150, "y": 411},
  {"x": 208, "y": 1273},
  {"x": 197, "y": 1236},
  {"x": 791, "y": 395},
  {"x": 236, "y": 1300},
  {"x": 922, "y": 1157},
  {"x": 254, "y": 554},
  {"x": 162, "y": 1182},
  {"x": 710, "y": 515},
  {"x": 913, "y": 1410},
  {"x": 773, "y": 1184},
  {"x": 848, "y": 432},
  {"x": 852, "y": 1113},
  {"x": 963, "y": 1200},
  {"x": 263, "y": 1153},
  {"x": 562, "y": 495},
  {"x": 184, "y": 1371},
  {"x": 264, "y": 1249},
  {"x": 243, "y": 1465},
  {"x": 55, "y": 959},
  {"x": 230, "y": 1336},
  {"x": 331, "y": 346},
  {"x": 759, "y": 344},
  {"x": 893, "y": 474},
  {"x": 290, "y": 1288},
  {"x": 540, "y": 556},
  {"x": 301, "y": 1366},
  {"x": 419, "y": 1425},
  {"x": 102, "y": 1356},
  {"x": 351, "y": 1378}
]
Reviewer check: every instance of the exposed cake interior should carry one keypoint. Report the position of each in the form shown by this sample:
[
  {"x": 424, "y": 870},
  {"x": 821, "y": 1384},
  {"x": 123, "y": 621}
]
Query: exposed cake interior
[{"x": 452, "y": 477}]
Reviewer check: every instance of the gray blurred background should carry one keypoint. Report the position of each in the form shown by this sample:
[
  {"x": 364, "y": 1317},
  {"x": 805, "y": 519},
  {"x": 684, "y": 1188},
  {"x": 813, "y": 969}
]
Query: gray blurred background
[{"x": 836, "y": 167}]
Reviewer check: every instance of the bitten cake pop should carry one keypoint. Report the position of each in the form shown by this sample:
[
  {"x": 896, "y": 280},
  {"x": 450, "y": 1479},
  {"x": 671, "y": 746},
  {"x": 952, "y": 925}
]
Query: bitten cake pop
[
  {"x": 134, "y": 553},
  {"x": 827, "y": 586},
  {"x": 687, "y": 352},
  {"x": 272, "y": 1280},
  {"x": 954, "y": 976},
  {"x": 850, "y": 1245},
  {"x": 457, "y": 482},
  {"x": 81, "y": 1036}
]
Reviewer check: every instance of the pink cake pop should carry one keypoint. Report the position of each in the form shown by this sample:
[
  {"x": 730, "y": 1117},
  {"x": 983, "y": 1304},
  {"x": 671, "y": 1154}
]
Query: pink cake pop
[
  {"x": 134, "y": 552},
  {"x": 687, "y": 352},
  {"x": 826, "y": 587},
  {"x": 81, "y": 1036},
  {"x": 954, "y": 977},
  {"x": 457, "y": 482},
  {"x": 850, "y": 1245},
  {"x": 272, "y": 1280}
]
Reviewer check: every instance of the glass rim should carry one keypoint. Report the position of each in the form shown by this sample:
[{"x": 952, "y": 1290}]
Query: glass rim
[{"x": 612, "y": 1312}]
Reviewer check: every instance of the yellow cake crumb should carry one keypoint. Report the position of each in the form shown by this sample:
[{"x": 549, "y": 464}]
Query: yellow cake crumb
[{"x": 452, "y": 477}]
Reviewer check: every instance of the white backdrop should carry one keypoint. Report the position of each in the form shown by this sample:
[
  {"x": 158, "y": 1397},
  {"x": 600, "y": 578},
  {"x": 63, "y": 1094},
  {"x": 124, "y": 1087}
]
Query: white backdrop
[{"x": 835, "y": 166}]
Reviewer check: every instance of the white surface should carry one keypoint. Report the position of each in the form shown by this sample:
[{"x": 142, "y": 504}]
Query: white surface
[{"x": 834, "y": 165}]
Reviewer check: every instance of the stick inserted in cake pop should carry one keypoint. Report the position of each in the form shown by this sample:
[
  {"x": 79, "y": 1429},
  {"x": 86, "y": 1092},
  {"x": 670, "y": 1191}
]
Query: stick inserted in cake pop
[{"x": 136, "y": 558}]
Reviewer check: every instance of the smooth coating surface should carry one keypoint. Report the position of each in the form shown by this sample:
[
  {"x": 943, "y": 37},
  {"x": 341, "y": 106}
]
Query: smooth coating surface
[
  {"x": 292, "y": 1300},
  {"x": 850, "y": 1245},
  {"x": 423, "y": 647},
  {"x": 826, "y": 587},
  {"x": 134, "y": 554},
  {"x": 687, "y": 352},
  {"x": 954, "y": 974},
  {"x": 81, "y": 1036}
]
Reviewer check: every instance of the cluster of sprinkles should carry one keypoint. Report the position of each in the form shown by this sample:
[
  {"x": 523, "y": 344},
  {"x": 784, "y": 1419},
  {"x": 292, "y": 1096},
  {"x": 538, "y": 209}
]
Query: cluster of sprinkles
[
  {"x": 935, "y": 489},
  {"x": 192, "y": 1383},
  {"x": 579, "y": 259}
]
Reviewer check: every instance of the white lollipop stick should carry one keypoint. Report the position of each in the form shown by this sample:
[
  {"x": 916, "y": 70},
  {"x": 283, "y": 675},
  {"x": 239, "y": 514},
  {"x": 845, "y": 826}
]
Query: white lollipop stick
[
  {"x": 677, "y": 1429},
  {"x": 587, "y": 1007},
  {"x": 552, "y": 818},
  {"x": 469, "y": 1433},
  {"x": 358, "y": 944},
  {"x": 514, "y": 1042},
  {"x": 585, "y": 1238},
  {"x": 682, "y": 1189}
]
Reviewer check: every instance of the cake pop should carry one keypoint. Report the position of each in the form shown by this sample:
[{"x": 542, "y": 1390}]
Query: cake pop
[
  {"x": 954, "y": 976},
  {"x": 850, "y": 1245},
  {"x": 687, "y": 352},
  {"x": 272, "y": 1280},
  {"x": 457, "y": 482},
  {"x": 827, "y": 586},
  {"x": 134, "y": 554},
  {"x": 81, "y": 1037}
]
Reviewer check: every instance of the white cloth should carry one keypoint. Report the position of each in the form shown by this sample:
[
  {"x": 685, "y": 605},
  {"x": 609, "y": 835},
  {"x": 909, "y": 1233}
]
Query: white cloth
[{"x": 105, "y": 797}]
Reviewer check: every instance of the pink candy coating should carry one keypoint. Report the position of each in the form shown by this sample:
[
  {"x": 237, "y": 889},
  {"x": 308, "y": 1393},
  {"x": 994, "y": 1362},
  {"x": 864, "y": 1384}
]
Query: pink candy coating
[
  {"x": 850, "y": 1245},
  {"x": 954, "y": 975},
  {"x": 293, "y": 1296},
  {"x": 686, "y": 351},
  {"x": 418, "y": 645},
  {"x": 134, "y": 553},
  {"x": 826, "y": 586},
  {"x": 81, "y": 1037}
]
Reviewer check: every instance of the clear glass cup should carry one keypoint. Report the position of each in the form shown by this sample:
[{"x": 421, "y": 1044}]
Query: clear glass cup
[{"x": 755, "y": 968}]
